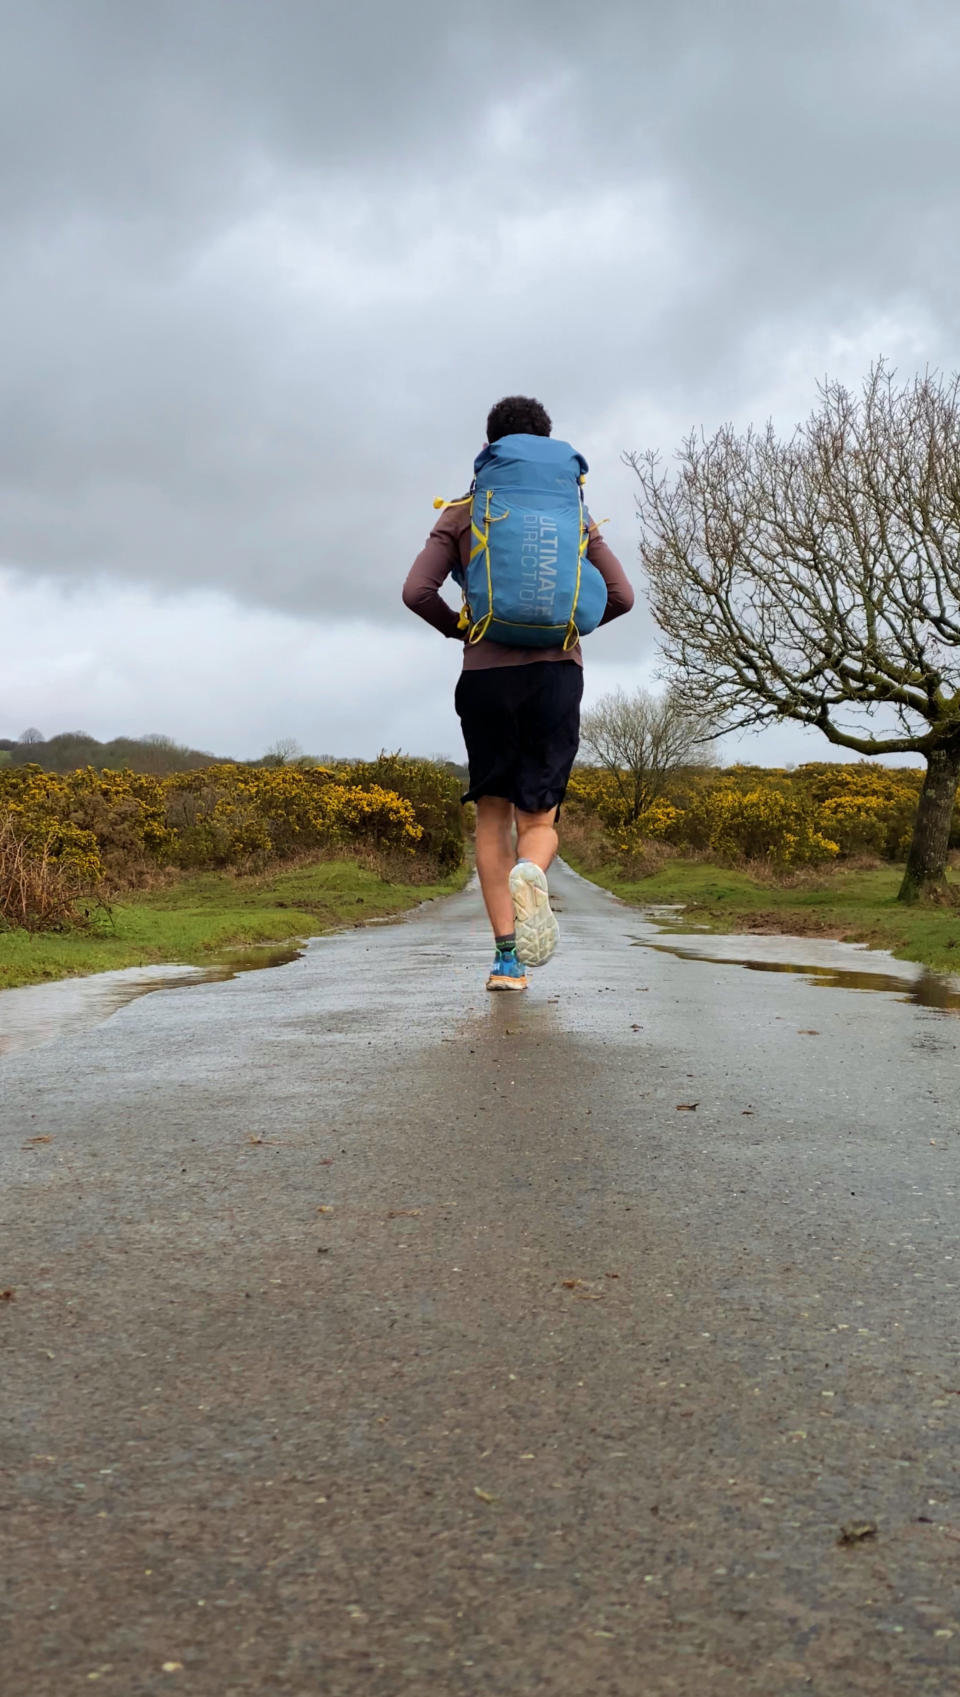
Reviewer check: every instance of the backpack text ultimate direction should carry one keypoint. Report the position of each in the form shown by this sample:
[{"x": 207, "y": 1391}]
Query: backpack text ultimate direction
[{"x": 528, "y": 582}]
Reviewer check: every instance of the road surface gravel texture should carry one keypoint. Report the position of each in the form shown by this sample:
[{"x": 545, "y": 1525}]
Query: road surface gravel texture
[{"x": 371, "y": 1334}]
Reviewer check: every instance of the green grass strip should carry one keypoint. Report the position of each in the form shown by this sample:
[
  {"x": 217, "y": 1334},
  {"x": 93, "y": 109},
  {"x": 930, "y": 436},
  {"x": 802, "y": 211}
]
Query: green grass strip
[
  {"x": 857, "y": 905},
  {"x": 200, "y": 919}
]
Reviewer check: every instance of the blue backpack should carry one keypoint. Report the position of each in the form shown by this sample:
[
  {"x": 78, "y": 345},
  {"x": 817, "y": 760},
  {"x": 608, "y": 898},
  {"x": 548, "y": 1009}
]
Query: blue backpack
[{"x": 528, "y": 582}]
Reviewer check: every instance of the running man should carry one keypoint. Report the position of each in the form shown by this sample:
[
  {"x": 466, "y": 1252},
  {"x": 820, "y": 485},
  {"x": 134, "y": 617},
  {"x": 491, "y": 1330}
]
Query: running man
[{"x": 519, "y": 709}]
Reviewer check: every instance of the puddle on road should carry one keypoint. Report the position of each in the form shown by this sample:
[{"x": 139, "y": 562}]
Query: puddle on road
[
  {"x": 923, "y": 988},
  {"x": 39, "y": 1012}
]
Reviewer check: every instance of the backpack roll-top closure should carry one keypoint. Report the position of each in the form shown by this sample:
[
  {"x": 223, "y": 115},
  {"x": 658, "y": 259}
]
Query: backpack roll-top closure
[{"x": 536, "y": 462}]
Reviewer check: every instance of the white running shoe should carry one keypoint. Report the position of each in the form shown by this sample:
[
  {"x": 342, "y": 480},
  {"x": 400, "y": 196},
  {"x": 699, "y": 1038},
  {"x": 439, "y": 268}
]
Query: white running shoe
[{"x": 536, "y": 928}]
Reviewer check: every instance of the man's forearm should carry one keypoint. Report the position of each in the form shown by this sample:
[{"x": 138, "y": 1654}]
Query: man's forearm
[
  {"x": 619, "y": 589},
  {"x": 428, "y": 604},
  {"x": 421, "y": 592}
]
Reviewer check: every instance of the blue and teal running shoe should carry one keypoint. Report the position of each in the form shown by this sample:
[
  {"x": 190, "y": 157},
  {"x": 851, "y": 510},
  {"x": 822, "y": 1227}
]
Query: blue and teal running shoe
[{"x": 507, "y": 973}]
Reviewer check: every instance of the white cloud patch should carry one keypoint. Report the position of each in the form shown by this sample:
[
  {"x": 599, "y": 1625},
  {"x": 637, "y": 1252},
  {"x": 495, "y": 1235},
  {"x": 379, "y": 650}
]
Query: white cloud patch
[
  {"x": 216, "y": 674},
  {"x": 259, "y": 293}
]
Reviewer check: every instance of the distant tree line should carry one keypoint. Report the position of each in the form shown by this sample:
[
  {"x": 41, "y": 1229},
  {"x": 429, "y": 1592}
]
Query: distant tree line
[
  {"x": 158, "y": 756},
  {"x": 72, "y": 750}
]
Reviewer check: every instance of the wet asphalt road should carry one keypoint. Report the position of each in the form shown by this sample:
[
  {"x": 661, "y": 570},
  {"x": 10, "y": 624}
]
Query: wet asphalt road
[{"x": 374, "y": 1335}]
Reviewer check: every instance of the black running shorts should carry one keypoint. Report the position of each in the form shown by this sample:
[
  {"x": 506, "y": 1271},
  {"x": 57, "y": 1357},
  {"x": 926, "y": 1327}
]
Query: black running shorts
[{"x": 521, "y": 725}]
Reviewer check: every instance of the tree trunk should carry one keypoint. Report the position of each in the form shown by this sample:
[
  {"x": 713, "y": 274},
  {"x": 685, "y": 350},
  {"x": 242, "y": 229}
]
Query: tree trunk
[
  {"x": 641, "y": 797},
  {"x": 926, "y": 873}
]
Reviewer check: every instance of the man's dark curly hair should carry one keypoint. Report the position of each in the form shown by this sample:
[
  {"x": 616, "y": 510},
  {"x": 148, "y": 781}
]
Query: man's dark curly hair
[{"x": 517, "y": 415}]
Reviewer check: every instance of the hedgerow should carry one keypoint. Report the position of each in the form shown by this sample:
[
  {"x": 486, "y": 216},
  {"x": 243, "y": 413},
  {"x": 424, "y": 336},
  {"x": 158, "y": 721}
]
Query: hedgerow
[
  {"x": 65, "y": 836},
  {"x": 810, "y": 816}
]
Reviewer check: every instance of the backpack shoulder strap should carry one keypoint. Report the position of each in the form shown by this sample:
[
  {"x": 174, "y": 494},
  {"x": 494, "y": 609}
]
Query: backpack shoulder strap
[{"x": 464, "y": 621}]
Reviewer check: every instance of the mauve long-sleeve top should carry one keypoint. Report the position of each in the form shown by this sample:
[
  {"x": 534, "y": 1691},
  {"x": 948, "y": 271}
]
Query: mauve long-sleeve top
[{"x": 448, "y": 545}]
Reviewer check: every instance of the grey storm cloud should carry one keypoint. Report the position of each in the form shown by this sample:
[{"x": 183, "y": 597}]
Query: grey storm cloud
[{"x": 266, "y": 265}]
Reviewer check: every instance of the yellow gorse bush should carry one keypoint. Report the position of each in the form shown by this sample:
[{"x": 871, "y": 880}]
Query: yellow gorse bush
[
  {"x": 45, "y": 867},
  {"x": 595, "y": 791},
  {"x": 90, "y": 829},
  {"x": 762, "y": 824},
  {"x": 376, "y": 812},
  {"x": 806, "y": 817},
  {"x": 251, "y": 816},
  {"x": 657, "y": 823}
]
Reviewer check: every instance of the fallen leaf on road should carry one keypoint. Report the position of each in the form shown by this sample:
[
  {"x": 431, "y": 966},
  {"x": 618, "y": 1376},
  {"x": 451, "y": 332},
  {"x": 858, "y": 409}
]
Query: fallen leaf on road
[
  {"x": 636, "y": 1028},
  {"x": 808, "y": 1033},
  {"x": 580, "y": 1290},
  {"x": 687, "y": 1107},
  {"x": 32, "y": 1140},
  {"x": 404, "y": 1213},
  {"x": 856, "y": 1531},
  {"x": 484, "y": 1496},
  {"x": 7, "y": 1295},
  {"x": 325, "y": 1208}
]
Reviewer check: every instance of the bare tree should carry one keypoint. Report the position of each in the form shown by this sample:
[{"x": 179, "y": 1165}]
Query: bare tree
[
  {"x": 640, "y": 739},
  {"x": 31, "y": 735},
  {"x": 286, "y": 751},
  {"x": 818, "y": 579}
]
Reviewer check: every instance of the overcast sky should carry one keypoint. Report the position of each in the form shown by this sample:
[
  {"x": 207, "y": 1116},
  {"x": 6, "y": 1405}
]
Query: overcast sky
[{"x": 265, "y": 265}]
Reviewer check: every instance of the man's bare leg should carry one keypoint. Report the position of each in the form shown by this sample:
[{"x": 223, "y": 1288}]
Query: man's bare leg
[
  {"x": 537, "y": 837},
  {"x": 495, "y": 858}
]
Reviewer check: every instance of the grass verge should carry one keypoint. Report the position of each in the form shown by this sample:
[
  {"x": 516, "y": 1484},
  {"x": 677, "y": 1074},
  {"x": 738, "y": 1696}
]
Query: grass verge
[
  {"x": 857, "y": 905},
  {"x": 200, "y": 919}
]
